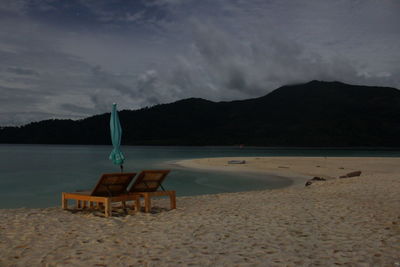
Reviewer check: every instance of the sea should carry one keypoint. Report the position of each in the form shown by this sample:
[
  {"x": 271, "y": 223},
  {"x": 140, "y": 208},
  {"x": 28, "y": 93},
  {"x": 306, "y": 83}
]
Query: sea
[{"x": 33, "y": 176}]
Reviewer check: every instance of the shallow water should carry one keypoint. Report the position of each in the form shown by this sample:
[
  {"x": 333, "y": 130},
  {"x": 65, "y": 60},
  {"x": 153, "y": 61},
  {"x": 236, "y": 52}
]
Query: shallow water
[{"x": 35, "y": 175}]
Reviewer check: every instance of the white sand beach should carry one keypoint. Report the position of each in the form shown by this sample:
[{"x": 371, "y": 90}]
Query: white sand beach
[{"x": 345, "y": 222}]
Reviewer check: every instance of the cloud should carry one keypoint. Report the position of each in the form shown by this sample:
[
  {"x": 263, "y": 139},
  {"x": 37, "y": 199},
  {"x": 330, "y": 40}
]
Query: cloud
[
  {"x": 221, "y": 68},
  {"x": 248, "y": 49},
  {"x": 22, "y": 71},
  {"x": 13, "y": 7},
  {"x": 76, "y": 109},
  {"x": 74, "y": 59}
]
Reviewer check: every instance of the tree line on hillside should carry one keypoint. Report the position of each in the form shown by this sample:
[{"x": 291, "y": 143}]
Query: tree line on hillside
[{"x": 315, "y": 114}]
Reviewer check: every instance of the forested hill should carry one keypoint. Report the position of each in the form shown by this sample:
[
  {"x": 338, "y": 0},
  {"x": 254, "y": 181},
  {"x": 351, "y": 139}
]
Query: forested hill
[{"x": 326, "y": 114}]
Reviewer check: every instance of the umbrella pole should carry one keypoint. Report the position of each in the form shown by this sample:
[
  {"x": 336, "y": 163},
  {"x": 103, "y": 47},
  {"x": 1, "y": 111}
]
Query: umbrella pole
[{"x": 122, "y": 168}]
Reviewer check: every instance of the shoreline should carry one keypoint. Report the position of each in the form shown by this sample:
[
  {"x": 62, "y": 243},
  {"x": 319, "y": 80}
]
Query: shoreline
[
  {"x": 351, "y": 222},
  {"x": 297, "y": 169},
  {"x": 295, "y": 179}
]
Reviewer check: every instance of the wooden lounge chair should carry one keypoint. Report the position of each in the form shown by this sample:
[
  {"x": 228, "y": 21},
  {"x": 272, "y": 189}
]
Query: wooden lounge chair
[
  {"x": 110, "y": 188},
  {"x": 147, "y": 184}
]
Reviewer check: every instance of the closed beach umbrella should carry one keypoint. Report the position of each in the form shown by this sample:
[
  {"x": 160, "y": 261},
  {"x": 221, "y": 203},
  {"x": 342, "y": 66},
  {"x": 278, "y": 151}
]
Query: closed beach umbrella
[{"x": 116, "y": 132}]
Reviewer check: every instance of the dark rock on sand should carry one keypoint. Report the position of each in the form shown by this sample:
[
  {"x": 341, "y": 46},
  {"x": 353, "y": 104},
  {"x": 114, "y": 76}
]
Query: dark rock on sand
[
  {"x": 351, "y": 174},
  {"x": 314, "y": 179}
]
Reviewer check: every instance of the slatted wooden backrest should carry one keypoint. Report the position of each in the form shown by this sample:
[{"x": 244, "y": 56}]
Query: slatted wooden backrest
[
  {"x": 149, "y": 181},
  {"x": 113, "y": 184}
]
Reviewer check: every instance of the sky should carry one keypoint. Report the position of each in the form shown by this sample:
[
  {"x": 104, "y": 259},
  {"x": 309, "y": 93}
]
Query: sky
[{"x": 70, "y": 59}]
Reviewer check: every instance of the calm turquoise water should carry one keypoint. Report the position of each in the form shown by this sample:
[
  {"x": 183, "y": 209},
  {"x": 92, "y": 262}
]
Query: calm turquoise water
[{"x": 35, "y": 175}]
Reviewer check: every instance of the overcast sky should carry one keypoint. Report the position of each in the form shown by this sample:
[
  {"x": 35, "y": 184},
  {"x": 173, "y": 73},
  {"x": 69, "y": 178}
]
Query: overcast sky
[{"x": 73, "y": 59}]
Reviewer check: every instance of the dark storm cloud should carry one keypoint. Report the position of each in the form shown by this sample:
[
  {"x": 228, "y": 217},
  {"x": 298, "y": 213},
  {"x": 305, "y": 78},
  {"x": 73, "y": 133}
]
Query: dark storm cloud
[
  {"x": 10, "y": 118},
  {"x": 22, "y": 71},
  {"x": 219, "y": 61},
  {"x": 96, "y": 15},
  {"x": 11, "y": 96},
  {"x": 250, "y": 54},
  {"x": 71, "y": 59},
  {"x": 105, "y": 78},
  {"x": 75, "y": 109}
]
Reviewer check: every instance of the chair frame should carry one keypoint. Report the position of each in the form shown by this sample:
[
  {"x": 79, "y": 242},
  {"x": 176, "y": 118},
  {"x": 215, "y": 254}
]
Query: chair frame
[
  {"x": 106, "y": 201},
  {"x": 83, "y": 197},
  {"x": 147, "y": 195}
]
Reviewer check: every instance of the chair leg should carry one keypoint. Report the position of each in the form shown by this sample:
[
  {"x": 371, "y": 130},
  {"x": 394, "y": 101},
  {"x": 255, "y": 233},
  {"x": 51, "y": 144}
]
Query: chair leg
[
  {"x": 137, "y": 204},
  {"x": 172, "y": 200},
  {"x": 147, "y": 202},
  {"x": 64, "y": 202},
  {"x": 123, "y": 204},
  {"x": 107, "y": 210}
]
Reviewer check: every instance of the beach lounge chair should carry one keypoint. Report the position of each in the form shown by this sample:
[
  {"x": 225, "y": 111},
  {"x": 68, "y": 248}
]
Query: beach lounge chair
[
  {"x": 147, "y": 184},
  {"x": 110, "y": 188}
]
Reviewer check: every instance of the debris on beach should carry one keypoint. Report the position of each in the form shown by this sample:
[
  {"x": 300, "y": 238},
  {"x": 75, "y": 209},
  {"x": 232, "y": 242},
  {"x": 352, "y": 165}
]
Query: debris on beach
[
  {"x": 237, "y": 162},
  {"x": 318, "y": 179},
  {"x": 314, "y": 179},
  {"x": 351, "y": 174}
]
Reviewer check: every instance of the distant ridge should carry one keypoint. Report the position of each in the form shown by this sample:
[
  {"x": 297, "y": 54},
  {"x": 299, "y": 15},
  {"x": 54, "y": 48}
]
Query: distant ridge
[{"x": 314, "y": 114}]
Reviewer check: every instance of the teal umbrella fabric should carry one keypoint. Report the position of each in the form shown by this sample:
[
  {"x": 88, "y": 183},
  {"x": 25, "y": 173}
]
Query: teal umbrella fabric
[{"x": 116, "y": 132}]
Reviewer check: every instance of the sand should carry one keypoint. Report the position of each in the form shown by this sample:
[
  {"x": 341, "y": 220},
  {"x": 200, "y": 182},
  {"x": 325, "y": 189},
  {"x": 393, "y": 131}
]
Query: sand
[{"x": 349, "y": 222}]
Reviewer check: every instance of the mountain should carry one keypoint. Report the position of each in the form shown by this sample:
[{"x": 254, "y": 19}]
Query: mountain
[{"x": 315, "y": 114}]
